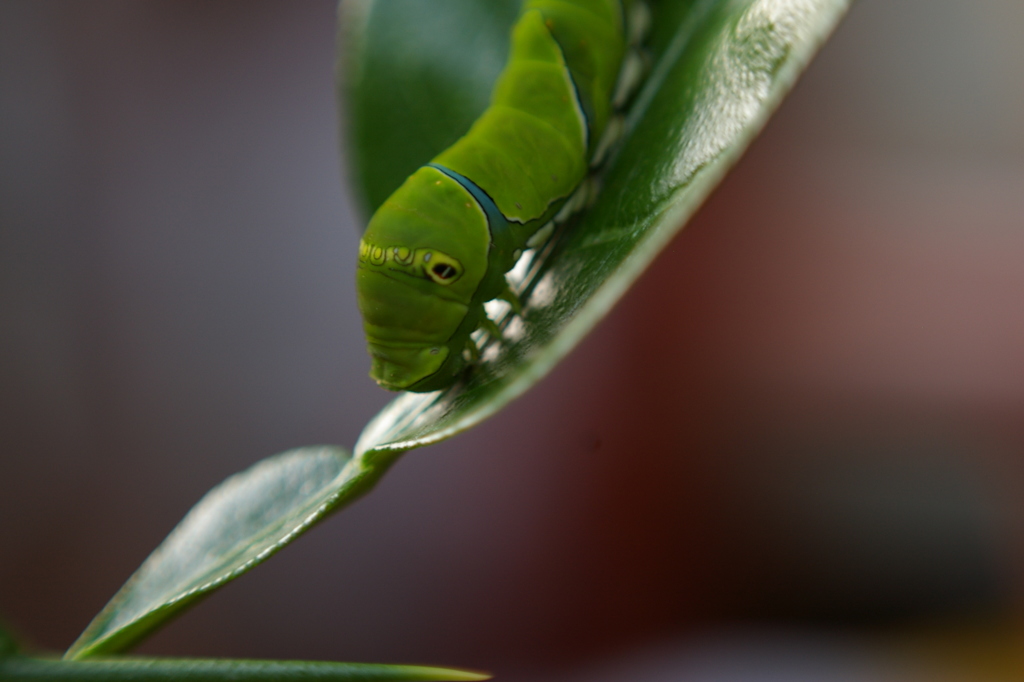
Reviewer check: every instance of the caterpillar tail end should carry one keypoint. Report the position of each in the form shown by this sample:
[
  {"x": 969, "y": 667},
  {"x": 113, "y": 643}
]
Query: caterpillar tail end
[{"x": 407, "y": 369}]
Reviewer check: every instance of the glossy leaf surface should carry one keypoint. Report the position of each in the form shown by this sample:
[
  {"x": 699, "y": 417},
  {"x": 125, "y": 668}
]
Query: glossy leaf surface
[
  {"x": 237, "y": 525},
  {"x": 719, "y": 69},
  {"x": 23, "y": 669}
]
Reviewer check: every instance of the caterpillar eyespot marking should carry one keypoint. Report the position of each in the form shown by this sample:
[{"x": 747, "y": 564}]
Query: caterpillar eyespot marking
[{"x": 440, "y": 247}]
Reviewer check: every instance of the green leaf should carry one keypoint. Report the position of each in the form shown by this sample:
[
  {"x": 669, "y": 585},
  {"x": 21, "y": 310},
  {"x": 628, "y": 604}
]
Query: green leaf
[
  {"x": 8, "y": 645},
  {"x": 236, "y": 526},
  {"x": 720, "y": 67},
  {"x": 22, "y": 669}
]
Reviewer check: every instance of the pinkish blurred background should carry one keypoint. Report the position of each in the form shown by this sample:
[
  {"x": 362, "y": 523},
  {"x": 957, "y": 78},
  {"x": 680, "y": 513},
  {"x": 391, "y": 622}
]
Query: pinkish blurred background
[{"x": 803, "y": 428}]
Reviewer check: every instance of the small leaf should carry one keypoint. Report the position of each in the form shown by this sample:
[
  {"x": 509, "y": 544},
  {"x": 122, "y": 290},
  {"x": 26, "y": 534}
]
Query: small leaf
[
  {"x": 22, "y": 669},
  {"x": 720, "y": 69},
  {"x": 236, "y": 526},
  {"x": 8, "y": 645}
]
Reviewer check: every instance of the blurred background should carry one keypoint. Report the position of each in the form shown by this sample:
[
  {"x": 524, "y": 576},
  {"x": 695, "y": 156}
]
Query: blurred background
[{"x": 794, "y": 452}]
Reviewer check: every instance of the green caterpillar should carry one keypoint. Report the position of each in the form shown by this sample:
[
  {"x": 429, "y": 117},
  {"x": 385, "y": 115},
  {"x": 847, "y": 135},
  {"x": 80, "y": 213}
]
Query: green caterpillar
[{"x": 439, "y": 247}]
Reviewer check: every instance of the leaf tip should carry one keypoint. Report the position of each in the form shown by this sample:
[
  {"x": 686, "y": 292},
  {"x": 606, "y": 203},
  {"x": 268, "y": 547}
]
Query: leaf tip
[
  {"x": 453, "y": 675},
  {"x": 470, "y": 676}
]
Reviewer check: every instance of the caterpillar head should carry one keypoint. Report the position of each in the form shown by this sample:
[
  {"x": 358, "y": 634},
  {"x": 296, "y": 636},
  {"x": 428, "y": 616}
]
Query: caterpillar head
[{"x": 421, "y": 260}]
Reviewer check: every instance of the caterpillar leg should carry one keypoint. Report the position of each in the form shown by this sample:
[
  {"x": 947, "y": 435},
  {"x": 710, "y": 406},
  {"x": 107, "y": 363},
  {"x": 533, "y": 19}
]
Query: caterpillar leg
[
  {"x": 638, "y": 23},
  {"x": 611, "y": 135},
  {"x": 471, "y": 353},
  {"x": 634, "y": 68},
  {"x": 636, "y": 62},
  {"x": 540, "y": 236},
  {"x": 488, "y": 325},
  {"x": 510, "y": 296}
]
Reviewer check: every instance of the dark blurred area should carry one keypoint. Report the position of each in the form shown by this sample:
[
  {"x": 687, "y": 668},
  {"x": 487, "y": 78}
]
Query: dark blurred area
[{"x": 802, "y": 428}]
